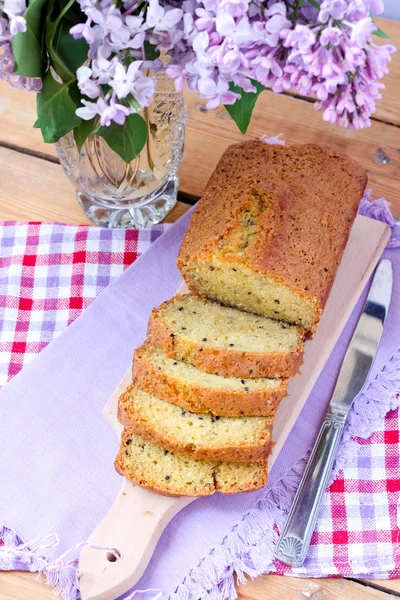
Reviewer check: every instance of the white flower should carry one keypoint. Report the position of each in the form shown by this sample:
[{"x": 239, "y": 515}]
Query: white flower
[{"x": 123, "y": 81}]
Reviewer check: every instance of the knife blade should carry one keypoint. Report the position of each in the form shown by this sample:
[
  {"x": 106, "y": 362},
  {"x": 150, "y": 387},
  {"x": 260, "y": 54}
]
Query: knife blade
[{"x": 295, "y": 537}]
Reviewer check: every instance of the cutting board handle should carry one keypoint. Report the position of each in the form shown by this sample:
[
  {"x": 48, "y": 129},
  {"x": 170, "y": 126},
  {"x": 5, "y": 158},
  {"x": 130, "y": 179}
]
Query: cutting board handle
[{"x": 132, "y": 529}]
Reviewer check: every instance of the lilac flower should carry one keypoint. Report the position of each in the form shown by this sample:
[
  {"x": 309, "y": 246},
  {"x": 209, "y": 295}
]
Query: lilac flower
[
  {"x": 89, "y": 110},
  {"x": 144, "y": 90},
  {"x": 205, "y": 20},
  {"x": 211, "y": 43},
  {"x": 235, "y": 8},
  {"x": 14, "y": 9},
  {"x": 114, "y": 112},
  {"x": 361, "y": 31},
  {"x": 123, "y": 81},
  {"x": 276, "y": 22},
  {"x": 118, "y": 38},
  {"x": 107, "y": 112},
  {"x": 235, "y": 60},
  {"x": 330, "y": 115},
  {"x": 264, "y": 66},
  {"x": 375, "y": 6},
  {"x": 301, "y": 37},
  {"x": 364, "y": 7},
  {"x": 161, "y": 19},
  {"x": 244, "y": 83},
  {"x": 103, "y": 70},
  {"x": 335, "y": 9},
  {"x": 83, "y": 30},
  {"x": 16, "y": 24},
  {"x": 326, "y": 52},
  {"x": 177, "y": 73},
  {"x": 87, "y": 86},
  {"x": 4, "y": 32},
  {"x": 30, "y": 84},
  {"x": 7, "y": 61},
  {"x": 109, "y": 21},
  {"x": 354, "y": 57},
  {"x": 219, "y": 94},
  {"x": 331, "y": 35}
]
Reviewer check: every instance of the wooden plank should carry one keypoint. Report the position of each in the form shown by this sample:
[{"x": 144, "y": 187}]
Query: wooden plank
[
  {"x": 18, "y": 585},
  {"x": 391, "y": 585},
  {"x": 275, "y": 587},
  {"x": 36, "y": 189},
  {"x": 210, "y": 133}
]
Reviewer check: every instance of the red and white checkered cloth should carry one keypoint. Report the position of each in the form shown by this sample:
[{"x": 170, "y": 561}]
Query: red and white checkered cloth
[
  {"x": 358, "y": 529},
  {"x": 50, "y": 272}
]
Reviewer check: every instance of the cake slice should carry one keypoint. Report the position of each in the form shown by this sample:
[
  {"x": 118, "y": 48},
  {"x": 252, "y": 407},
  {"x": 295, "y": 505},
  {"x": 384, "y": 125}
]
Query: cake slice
[
  {"x": 201, "y": 392},
  {"x": 173, "y": 474},
  {"x": 225, "y": 341},
  {"x": 233, "y": 439},
  {"x": 270, "y": 230}
]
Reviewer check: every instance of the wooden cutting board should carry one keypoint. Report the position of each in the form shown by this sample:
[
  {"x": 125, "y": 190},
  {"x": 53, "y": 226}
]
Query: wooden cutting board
[{"x": 138, "y": 517}]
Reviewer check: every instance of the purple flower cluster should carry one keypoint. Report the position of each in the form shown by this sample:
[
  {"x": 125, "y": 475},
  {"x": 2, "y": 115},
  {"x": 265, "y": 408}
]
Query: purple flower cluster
[
  {"x": 322, "y": 50},
  {"x": 325, "y": 53},
  {"x": 12, "y": 22}
]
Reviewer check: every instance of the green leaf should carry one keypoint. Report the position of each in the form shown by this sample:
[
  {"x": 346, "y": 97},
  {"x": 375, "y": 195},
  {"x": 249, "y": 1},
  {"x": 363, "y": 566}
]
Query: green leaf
[
  {"x": 73, "y": 12},
  {"x": 315, "y": 3},
  {"x": 150, "y": 51},
  {"x": 36, "y": 124},
  {"x": 56, "y": 110},
  {"x": 381, "y": 34},
  {"x": 126, "y": 140},
  {"x": 242, "y": 110},
  {"x": 75, "y": 93},
  {"x": 66, "y": 54},
  {"x": 378, "y": 32},
  {"x": 82, "y": 132},
  {"x": 28, "y": 46}
]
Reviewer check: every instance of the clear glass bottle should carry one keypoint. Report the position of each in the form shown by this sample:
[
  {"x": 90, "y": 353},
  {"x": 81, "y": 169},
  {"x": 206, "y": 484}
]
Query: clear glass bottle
[{"x": 136, "y": 195}]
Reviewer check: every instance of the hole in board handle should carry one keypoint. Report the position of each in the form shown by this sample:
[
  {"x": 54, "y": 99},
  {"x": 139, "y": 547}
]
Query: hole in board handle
[{"x": 110, "y": 556}]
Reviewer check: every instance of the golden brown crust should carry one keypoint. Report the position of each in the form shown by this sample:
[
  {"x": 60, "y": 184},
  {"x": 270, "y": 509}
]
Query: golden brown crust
[
  {"x": 304, "y": 200},
  {"x": 132, "y": 475},
  {"x": 229, "y": 363},
  {"x": 198, "y": 399},
  {"x": 251, "y": 452}
]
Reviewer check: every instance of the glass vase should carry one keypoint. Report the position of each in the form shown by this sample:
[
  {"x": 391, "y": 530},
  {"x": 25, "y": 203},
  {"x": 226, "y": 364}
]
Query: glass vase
[{"x": 141, "y": 193}]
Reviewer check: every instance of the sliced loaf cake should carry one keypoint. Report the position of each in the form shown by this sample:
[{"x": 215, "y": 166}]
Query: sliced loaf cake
[
  {"x": 269, "y": 233},
  {"x": 200, "y": 392},
  {"x": 225, "y": 341},
  {"x": 173, "y": 474},
  {"x": 203, "y": 436}
]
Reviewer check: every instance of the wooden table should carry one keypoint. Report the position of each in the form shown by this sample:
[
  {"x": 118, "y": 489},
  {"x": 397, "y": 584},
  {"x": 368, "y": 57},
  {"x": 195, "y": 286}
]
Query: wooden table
[{"x": 33, "y": 187}]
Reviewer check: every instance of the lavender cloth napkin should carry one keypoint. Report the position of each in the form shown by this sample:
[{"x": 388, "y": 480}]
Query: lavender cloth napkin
[{"x": 57, "y": 451}]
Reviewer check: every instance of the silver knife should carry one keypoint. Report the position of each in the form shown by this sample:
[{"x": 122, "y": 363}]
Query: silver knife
[{"x": 294, "y": 540}]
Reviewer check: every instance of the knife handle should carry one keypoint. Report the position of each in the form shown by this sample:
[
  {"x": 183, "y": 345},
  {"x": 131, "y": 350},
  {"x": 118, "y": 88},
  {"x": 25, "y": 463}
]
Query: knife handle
[{"x": 295, "y": 537}]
